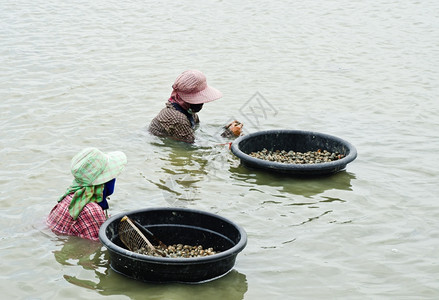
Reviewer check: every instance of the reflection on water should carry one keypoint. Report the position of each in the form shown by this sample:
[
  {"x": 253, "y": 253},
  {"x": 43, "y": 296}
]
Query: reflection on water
[
  {"x": 98, "y": 276},
  {"x": 180, "y": 171},
  {"x": 184, "y": 167},
  {"x": 294, "y": 185}
]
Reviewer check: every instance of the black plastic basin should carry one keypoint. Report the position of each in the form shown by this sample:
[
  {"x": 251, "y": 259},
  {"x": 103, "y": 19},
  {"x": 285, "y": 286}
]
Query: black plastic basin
[
  {"x": 295, "y": 140},
  {"x": 174, "y": 226}
]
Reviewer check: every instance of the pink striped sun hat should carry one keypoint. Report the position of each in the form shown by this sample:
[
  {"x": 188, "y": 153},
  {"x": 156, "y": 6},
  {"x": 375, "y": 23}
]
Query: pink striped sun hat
[{"x": 191, "y": 86}]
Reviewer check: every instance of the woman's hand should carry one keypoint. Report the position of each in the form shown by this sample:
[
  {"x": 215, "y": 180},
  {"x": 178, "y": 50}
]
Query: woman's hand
[{"x": 234, "y": 128}]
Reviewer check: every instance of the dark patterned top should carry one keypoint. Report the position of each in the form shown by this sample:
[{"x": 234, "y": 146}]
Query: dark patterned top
[{"x": 172, "y": 123}]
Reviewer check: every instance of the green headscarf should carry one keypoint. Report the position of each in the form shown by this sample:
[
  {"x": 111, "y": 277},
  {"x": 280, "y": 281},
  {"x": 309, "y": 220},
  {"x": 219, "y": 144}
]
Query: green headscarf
[
  {"x": 83, "y": 195},
  {"x": 92, "y": 169}
]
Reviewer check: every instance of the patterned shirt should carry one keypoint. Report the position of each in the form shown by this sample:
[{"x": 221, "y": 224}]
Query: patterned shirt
[
  {"x": 85, "y": 226},
  {"x": 173, "y": 123}
]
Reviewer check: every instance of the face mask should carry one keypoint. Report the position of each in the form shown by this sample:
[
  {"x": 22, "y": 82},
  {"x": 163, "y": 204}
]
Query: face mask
[
  {"x": 193, "y": 108},
  {"x": 108, "y": 190}
]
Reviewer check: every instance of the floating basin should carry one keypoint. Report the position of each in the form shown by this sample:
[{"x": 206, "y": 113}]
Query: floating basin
[
  {"x": 174, "y": 226},
  {"x": 295, "y": 140}
]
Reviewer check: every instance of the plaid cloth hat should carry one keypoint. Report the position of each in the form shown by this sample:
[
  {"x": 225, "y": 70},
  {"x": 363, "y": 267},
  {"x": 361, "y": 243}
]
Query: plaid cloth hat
[
  {"x": 92, "y": 169},
  {"x": 191, "y": 86}
]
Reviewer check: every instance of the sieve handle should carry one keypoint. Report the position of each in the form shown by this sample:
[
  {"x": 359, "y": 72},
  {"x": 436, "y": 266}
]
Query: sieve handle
[
  {"x": 149, "y": 234},
  {"x": 125, "y": 218}
]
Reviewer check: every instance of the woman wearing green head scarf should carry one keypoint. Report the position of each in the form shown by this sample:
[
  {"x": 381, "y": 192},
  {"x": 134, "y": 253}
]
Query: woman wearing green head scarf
[{"x": 80, "y": 211}]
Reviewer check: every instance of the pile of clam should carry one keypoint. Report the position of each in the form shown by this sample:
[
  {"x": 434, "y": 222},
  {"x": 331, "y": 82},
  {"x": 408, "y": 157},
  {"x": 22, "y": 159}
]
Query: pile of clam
[
  {"x": 178, "y": 251},
  {"x": 292, "y": 157}
]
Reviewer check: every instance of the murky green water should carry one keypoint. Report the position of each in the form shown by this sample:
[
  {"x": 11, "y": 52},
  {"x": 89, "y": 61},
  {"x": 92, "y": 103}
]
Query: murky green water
[{"x": 83, "y": 74}]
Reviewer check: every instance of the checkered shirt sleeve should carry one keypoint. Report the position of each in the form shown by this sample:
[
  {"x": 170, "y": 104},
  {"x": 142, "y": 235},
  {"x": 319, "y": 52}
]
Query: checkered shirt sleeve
[{"x": 172, "y": 123}]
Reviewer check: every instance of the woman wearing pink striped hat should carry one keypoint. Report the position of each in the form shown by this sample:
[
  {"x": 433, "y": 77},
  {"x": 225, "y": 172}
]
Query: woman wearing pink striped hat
[{"x": 178, "y": 119}]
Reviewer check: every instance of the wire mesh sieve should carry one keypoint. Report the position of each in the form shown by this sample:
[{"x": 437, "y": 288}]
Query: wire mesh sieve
[{"x": 133, "y": 238}]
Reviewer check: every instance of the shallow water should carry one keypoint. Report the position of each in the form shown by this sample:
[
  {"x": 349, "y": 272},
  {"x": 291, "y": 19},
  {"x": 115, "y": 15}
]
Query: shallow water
[{"x": 83, "y": 74}]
